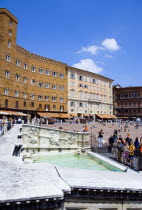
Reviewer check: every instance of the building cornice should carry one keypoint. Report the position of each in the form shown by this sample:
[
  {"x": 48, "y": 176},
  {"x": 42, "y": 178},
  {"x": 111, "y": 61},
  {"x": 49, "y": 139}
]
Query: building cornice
[
  {"x": 5, "y": 11},
  {"x": 98, "y": 75}
]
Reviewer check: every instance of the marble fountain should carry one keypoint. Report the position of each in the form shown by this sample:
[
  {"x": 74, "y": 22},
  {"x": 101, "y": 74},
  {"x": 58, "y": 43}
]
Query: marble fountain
[{"x": 32, "y": 181}]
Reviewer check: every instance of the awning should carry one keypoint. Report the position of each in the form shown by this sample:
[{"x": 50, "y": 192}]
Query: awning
[
  {"x": 109, "y": 116},
  {"x": 4, "y": 113},
  {"x": 106, "y": 116},
  {"x": 17, "y": 113},
  {"x": 54, "y": 115},
  {"x": 73, "y": 115},
  {"x": 43, "y": 114},
  {"x": 65, "y": 116},
  {"x": 21, "y": 114}
]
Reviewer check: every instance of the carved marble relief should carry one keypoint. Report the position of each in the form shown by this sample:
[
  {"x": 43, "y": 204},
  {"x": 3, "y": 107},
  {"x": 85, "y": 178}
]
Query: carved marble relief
[
  {"x": 53, "y": 138},
  {"x": 71, "y": 139},
  {"x": 33, "y": 136}
]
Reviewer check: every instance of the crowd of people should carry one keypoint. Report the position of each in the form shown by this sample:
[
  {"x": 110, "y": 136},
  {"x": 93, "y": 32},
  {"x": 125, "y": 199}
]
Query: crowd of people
[
  {"x": 7, "y": 123},
  {"x": 125, "y": 149}
]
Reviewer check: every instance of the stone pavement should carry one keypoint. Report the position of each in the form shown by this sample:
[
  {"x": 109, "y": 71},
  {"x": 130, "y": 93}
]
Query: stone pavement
[
  {"x": 8, "y": 142},
  {"x": 25, "y": 181},
  {"x": 19, "y": 181},
  {"x": 108, "y": 129}
]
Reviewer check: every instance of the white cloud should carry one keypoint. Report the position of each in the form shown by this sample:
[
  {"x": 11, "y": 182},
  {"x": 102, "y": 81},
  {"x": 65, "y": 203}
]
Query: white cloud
[
  {"x": 110, "y": 44},
  {"x": 88, "y": 65},
  {"x": 106, "y": 45},
  {"x": 93, "y": 49},
  {"x": 108, "y": 56}
]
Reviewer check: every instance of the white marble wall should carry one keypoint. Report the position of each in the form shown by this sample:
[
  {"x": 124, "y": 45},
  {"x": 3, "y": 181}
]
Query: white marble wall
[{"x": 41, "y": 138}]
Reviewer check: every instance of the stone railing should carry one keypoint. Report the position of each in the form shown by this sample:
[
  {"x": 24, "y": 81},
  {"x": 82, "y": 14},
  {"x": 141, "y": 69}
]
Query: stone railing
[{"x": 41, "y": 139}]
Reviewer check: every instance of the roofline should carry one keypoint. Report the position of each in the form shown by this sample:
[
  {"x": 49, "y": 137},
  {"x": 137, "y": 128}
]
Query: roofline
[
  {"x": 90, "y": 72},
  {"x": 5, "y": 11},
  {"x": 129, "y": 87}
]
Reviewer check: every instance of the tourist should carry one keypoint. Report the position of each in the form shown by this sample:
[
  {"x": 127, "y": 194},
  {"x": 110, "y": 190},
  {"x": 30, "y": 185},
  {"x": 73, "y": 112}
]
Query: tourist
[
  {"x": 140, "y": 154},
  {"x": 100, "y": 138},
  {"x": 19, "y": 121},
  {"x": 5, "y": 125},
  {"x": 111, "y": 144},
  {"x": 1, "y": 127},
  {"x": 115, "y": 135},
  {"x": 119, "y": 129},
  {"x": 120, "y": 147},
  {"x": 141, "y": 141},
  {"x": 136, "y": 144},
  {"x": 120, "y": 138},
  {"x": 131, "y": 152},
  {"x": 123, "y": 147},
  {"x": 86, "y": 128},
  {"x": 9, "y": 125},
  {"x": 125, "y": 128},
  {"x": 77, "y": 121},
  {"x": 40, "y": 121},
  {"x": 126, "y": 153},
  {"x": 128, "y": 134}
]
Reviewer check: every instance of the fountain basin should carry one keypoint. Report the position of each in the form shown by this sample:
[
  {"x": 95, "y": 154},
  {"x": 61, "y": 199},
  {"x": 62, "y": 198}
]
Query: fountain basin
[{"x": 84, "y": 161}]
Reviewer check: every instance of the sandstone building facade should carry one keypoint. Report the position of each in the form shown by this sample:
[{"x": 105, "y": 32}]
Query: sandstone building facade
[
  {"x": 89, "y": 94},
  {"x": 31, "y": 83},
  {"x": 127, "y": 102},
  {"x": 28, "y": 82}
]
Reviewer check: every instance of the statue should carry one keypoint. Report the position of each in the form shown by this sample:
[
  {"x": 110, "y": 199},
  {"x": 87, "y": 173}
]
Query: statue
[
  {"x": 33, "y": 136},
  {"x": 53, "y": 138}
]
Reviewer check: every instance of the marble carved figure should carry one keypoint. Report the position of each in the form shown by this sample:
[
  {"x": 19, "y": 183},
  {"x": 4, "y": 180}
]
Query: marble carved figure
[
  {"x": 33, "y": 136},
  {"x": 71, "y": 139},
  {"x": 53, "y": 138}
]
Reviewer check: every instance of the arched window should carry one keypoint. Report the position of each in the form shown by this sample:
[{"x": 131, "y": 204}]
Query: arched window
[
  {"x": 40, "y": 97},
  {"x": 33, "y": 81},
  {"x": 54, "y": 98},
  {"x": 61, "y": 87},
  {"x": 25, "y": 93},
  {"x": 10, "y": 32},
  {"x": 10, "y": 22},
  {"x": 47, "y": 97},
  {"x": 61, "y": 99},
  {"x": 17, "y": 91},
  {"x": 32, "y": 95},
  {"x": 9, "y": 43}
]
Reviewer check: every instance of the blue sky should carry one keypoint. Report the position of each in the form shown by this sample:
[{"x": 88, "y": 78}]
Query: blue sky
[{"x": 103, "y": 36}]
